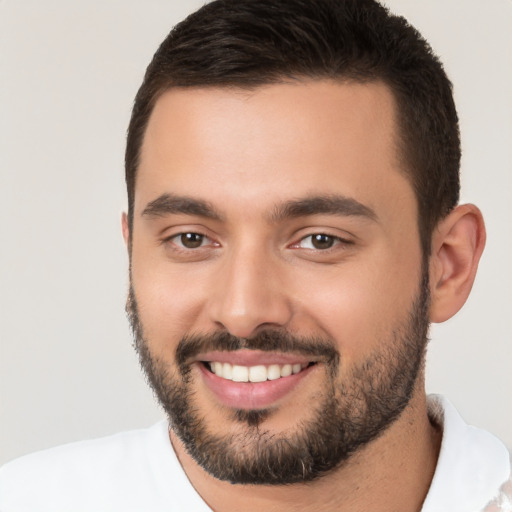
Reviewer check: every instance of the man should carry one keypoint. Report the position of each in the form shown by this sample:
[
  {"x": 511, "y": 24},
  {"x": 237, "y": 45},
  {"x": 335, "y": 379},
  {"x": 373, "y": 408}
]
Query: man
[{"x": 293, "y": 228}]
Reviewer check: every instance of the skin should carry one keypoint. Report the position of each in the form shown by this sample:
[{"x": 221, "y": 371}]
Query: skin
[{"x": 246, "y": 153}]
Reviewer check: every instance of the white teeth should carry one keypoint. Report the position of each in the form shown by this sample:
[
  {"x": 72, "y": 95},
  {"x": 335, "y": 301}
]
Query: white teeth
[
  {"x": 296, "y": 368},
  {"x": 240, "y": 373},
  {"x": 227, "y": 371},
  {"x": 259, "y": 373},
  {"x": 286, "y": 370},
  {"x": 273, "y": 372}
]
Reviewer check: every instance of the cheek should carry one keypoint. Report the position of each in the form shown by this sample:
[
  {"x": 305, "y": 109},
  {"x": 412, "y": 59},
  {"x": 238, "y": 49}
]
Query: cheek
[
  {"x": 169, "y": 302},
  {"x": 359, "y": 306}
]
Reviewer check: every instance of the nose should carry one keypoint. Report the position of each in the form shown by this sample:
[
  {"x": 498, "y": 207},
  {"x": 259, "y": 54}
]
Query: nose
[{"x": 250, "y": 293}]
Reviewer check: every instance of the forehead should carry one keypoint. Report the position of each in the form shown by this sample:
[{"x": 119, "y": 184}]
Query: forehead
[{"x": 274, "y": 142}]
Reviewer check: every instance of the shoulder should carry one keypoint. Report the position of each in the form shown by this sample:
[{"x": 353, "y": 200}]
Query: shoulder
[
  {"x": 473, "y": 464},
  {"x": 502, "y": 502},
  {"x": 102, "y": 454},
  {"x": 135, "y": 470}
]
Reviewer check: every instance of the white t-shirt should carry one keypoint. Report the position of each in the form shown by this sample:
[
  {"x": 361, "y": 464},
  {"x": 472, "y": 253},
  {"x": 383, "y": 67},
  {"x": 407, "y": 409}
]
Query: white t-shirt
[{"x": 139, "y": 471}]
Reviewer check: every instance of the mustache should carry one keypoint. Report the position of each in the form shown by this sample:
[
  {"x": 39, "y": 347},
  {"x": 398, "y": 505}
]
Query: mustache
[{"x": 269, "y": 340}]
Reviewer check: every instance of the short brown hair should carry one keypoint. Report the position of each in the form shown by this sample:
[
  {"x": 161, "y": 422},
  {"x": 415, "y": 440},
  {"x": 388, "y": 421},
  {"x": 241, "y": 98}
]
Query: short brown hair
[{"x": 248, "y": 43}]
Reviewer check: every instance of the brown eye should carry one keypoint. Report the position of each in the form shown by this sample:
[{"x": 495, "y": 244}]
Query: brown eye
[
  {"x": 321, "y": 241},
  {"x": 191, "y": 240}
]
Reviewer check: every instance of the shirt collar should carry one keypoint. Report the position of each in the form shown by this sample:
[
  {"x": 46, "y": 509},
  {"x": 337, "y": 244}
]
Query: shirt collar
[{"x": 472, "y": 463}]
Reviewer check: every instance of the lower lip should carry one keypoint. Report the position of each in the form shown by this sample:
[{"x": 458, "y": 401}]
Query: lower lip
[{"x": 252, "y": 395}]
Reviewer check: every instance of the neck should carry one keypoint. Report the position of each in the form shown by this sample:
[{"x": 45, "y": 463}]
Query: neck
[{"x": 392, "y": 473}]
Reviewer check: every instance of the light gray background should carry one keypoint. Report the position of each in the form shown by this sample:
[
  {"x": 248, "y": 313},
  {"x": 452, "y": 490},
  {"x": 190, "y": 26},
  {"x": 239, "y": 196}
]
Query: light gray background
[{"x": 69, "y": 72}]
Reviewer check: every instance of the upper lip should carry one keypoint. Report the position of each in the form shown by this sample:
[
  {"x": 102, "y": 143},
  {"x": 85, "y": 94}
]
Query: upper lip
[{"x": 246, "y": 357}]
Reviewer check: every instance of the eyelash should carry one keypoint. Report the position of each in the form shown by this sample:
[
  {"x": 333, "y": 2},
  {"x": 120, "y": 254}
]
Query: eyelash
[
  {"x": 332, "y": 239},
  {"x": 181, "y": 247},
  {"x": 335, "y": 241}
]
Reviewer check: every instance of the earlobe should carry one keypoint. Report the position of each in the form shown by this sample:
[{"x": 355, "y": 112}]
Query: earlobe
[
  {"x": 126, "y": 229},
  {"x": 457, "y": 244}
]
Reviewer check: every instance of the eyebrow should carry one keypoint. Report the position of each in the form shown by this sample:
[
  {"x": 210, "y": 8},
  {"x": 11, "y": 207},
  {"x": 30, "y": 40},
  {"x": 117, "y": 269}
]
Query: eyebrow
[
  {"x": 168, "y": 204},
  {"x": 326, "y": 205}
]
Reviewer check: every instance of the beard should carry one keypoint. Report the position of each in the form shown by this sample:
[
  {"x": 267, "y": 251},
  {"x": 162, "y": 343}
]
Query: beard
[{"x": 350, "y": 413}]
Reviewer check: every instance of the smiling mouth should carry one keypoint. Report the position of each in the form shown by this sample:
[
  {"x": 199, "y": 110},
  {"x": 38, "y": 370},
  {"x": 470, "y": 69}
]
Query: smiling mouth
[{"x": 258, "y": 373}]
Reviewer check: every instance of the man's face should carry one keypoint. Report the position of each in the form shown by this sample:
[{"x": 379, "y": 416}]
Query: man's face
[{"x": 278, "y": 293}]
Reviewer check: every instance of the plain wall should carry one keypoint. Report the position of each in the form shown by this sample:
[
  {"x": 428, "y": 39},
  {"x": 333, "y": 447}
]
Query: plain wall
[{"x": 69, "y": 72}]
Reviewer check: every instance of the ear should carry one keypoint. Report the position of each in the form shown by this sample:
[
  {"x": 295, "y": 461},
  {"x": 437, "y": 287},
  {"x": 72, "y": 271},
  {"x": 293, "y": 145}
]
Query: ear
[
  {"x": 126, "y": 229},
  {"x": 457, "y": 244}
]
